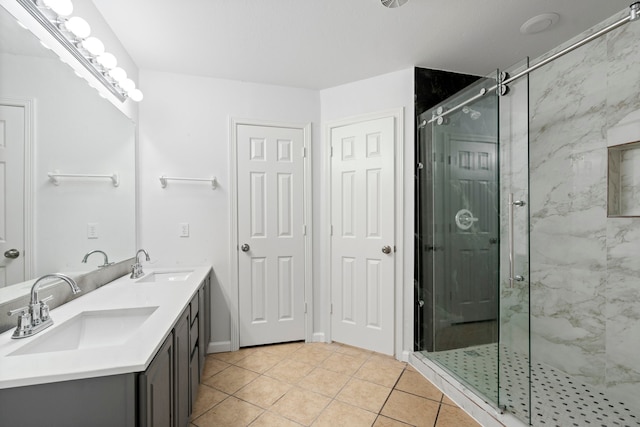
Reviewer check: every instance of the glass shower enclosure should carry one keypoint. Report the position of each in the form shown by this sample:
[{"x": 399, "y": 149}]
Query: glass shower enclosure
[{"x": 471, "y": 285}]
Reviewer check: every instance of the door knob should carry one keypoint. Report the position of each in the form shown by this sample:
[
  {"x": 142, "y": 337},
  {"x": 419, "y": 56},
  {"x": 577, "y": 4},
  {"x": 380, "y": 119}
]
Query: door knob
[
  {"x": 12, "y": 253},
  {"x": 386, "y": 249},
  {"x": 245, "y": 247}
]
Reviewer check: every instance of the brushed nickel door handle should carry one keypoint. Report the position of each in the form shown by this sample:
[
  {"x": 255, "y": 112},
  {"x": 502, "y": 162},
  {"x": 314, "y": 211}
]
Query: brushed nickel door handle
[
  {"x": 12, "y": 254},
  {"x": 386, "y": 249}
]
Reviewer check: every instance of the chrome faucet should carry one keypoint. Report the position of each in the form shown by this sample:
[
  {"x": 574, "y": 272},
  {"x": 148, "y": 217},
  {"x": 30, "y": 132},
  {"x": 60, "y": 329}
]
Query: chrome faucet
[
  {"x": 104, "y": 254},
  {"x": 136, "y": 269},
  {"x": 35, "y": 317}
]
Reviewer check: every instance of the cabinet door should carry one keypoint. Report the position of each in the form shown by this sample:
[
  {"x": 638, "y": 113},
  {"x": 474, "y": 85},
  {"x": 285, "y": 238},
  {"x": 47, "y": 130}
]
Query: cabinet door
[
  {"x": 156, "y": 389},
  {"x": 182, "y": 357},
  {"x": 205, "y": 320}
]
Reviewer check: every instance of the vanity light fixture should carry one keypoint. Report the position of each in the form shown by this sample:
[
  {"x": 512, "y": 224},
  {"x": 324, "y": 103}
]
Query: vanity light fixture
[{"x": 73, "y": 33}]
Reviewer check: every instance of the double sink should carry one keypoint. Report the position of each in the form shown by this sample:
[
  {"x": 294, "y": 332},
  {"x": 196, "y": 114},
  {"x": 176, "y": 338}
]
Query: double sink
[{"x": 100, "y": 328}]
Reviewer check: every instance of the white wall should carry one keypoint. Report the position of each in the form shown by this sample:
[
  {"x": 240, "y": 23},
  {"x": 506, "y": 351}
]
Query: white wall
[
  {"x": 389, "y": 91},
  {"x": 184, "y": 131}
]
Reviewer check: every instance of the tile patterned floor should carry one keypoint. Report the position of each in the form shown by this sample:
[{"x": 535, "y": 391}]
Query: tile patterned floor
[{"x": 318, "y": 384}]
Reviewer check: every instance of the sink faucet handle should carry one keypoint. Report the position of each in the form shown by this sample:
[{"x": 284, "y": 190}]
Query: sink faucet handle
[
  {"x": 21, "y": 311},
  {"x": 49, "y": 298}
]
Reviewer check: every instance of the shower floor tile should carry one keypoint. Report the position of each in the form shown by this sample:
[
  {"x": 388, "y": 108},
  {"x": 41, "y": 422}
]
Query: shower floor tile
[{"x": 557, "y": 399}]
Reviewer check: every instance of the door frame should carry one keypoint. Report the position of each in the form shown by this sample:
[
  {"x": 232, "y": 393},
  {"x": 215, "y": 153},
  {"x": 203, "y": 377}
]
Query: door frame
[
  {"x": 29, "y": 107},
  {"x": 398, "y": 116},
  {"x": 234, "y": 285}
]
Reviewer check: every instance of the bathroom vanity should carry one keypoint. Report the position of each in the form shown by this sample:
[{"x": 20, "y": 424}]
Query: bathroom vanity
[{"x": 128, "y": 354}]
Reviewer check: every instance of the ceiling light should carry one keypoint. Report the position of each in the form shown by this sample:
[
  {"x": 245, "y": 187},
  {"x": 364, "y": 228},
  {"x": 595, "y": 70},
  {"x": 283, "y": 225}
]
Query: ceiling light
[
  {"x": 107, "y": 60},
  {"x": 93, "y": 45},
  {"x": 72, "y": 34},
  {"x": 117, "y": 74},
  {"x": 60, "y": 7},
  {"x": 127, "y": 85},
  {"x": 136, "y": 95},
  {"x": 539, "y": 23},
  {"x": 78, "y": 27}
]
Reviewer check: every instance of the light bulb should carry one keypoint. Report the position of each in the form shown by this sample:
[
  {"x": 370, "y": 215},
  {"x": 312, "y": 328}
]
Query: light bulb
[
  {"x": 135, "y": 95},
  {"x": 60, "y": 7},
  {"x": 118, "y": 74},
  {"x": 127, "y": 85},
  {"x": 78, "y": 27},
  {"x": 107, "y": 60},
  {"x": 93, "y": 45}
]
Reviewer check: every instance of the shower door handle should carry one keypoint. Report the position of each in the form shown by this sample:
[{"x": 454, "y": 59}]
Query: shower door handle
[{"x": 512, "y": 276}]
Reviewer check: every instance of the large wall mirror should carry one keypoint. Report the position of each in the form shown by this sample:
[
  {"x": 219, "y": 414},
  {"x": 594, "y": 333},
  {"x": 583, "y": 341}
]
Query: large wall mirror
[{"x": 52, "y": 120}]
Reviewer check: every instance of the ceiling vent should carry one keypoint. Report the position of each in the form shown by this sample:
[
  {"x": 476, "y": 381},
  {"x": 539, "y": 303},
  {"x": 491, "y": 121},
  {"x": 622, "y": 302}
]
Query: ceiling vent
[{"x": 393, "y": 3}]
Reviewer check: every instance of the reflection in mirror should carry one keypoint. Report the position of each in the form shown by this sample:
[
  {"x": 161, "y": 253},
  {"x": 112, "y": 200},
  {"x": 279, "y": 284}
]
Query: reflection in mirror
[{"x": 53, "y": 121}]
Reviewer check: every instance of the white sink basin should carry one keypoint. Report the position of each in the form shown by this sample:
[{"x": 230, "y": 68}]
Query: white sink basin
[
  {"x": 89, "y": 329},
  {"x": 169, "y": 276}
]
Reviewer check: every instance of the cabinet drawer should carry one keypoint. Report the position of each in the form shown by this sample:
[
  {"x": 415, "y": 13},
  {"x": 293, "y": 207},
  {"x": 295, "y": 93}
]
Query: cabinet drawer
[
  {"x": 193, "y": 334},
  {"x": 194, "y": 307}
]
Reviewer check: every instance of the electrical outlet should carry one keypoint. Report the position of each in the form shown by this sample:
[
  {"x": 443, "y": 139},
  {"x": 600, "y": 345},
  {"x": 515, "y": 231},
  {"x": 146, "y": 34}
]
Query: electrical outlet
[
  {"x": 184, "y": 229},
  {"x": 92, "y": 230}
]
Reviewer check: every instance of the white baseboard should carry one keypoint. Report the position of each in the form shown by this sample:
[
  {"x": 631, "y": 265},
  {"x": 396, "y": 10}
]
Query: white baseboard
[
  {"x": 219, "y": 347},
  {"x": 404, "y": 356},
  {"x": 319, "y": 337}
]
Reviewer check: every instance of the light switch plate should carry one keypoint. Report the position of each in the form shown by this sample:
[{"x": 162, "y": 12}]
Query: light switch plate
[
  {"x": 92, "y": 230},
  {"x": 184, "y": 229}
]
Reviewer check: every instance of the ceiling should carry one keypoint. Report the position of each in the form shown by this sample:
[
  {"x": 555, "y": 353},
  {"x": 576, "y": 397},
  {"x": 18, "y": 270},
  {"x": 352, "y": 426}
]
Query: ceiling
[{"x": 318, "y": 44}]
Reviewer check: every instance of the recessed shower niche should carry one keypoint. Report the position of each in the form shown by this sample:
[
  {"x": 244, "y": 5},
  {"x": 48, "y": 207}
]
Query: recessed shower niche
[{"x": 623, "y": 180}]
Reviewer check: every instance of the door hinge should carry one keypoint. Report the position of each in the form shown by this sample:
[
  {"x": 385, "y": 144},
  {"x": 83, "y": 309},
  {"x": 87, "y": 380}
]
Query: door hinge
[
  {"x": 331, "y": 151},
  {"x": 331, "y": 230},
  {"x": 304, "y": 230},
  {"x": 331, "y": 310},
  {"x": 305, "y": 308},
  {"x": 304, "y": 151}
]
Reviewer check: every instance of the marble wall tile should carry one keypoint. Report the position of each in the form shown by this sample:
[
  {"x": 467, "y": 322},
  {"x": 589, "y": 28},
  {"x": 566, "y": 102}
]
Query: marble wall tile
[{"x": 623, "y": 310}]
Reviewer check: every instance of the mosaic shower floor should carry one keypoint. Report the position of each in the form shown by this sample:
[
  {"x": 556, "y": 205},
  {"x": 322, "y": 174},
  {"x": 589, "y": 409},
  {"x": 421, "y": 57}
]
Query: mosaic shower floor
[{"x": 556, "y": 398}]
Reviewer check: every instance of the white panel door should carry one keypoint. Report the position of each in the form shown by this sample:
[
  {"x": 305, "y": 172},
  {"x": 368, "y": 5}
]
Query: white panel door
[
  {"x": 362, "y": 218},
  {"x": 12, "y": 143},
  {"x": 271, "y": 257}
]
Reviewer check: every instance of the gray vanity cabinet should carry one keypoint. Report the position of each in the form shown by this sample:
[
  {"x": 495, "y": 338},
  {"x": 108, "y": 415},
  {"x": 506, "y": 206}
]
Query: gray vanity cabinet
[
  {"x": 161, "y": 396},
  {"x": 182, "y": 360},
  {"x": 156, "y": 384}
]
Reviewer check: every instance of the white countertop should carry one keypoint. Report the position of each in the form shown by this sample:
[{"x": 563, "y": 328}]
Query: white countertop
[{"x": 134, "y": 355}]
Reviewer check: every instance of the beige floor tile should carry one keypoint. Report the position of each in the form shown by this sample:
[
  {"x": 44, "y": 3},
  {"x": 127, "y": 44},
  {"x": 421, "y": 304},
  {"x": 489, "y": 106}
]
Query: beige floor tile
[
  {"x": 325, "y": 382},
  {"x": 354, "y": 351},
  {"x": 340, "y": 414},
  {"x": 259, "y": 361},
  {"x": 447, "y": 401},
  {"x": 290, "y": 371},
  {"x": 387, "y": 361},
  {"x": 383, "y": 421},
  {"x": 311, "y": 355},
  {"x": 231, "y": 379},
  {"x": 233, "y": 356},
  {"x": 263, "y": 391},
  {"x": 231, "y": 412},
  {"x": 302, "y": 406},
  {"x": 343, "y": 363},
  {"x": 212, "y": 366},
  {"x": 283, "y": 349},
  {"x": 450, "y": 416},
  {"x": 379, "y": 373},
  {"x": 415, "y": 383},
  {"x": 269, "y": 419},
  {"x": 333, "y": 346},
  {"x": 411, "y": 409},
  {"x": 364, "y": 394},
  {"x": 207, "y": 398}
]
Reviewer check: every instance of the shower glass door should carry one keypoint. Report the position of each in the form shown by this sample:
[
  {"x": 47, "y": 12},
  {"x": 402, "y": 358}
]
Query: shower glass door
[{"x": 462, "y": 240}]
